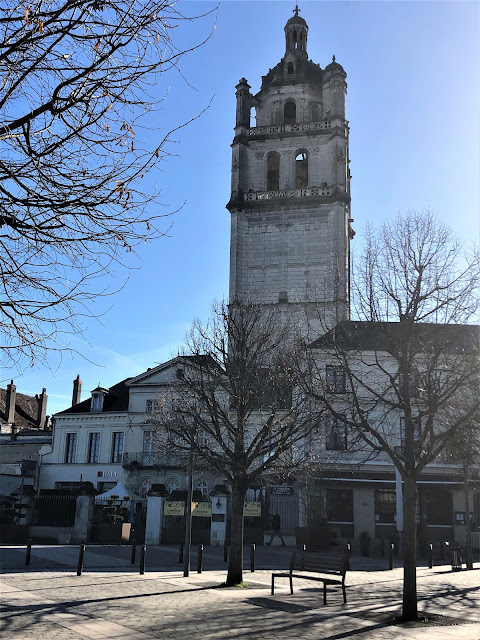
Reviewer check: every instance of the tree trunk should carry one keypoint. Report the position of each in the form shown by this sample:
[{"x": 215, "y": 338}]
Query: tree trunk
[
  {"x": 410, "y": 548},
  {"x": 235, "y": 565}
]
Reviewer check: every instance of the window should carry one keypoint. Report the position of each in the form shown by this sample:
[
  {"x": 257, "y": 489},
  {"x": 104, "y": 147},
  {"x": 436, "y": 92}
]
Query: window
[
  {"x": 335, "y": 379},
  {"x": 152, "y": 406},
  {"x": 301, "y": 170},
  {"x": 290, "y": 68},
  {"x": 336, "y": 436},
  {"x": 147, "y": 441},
  {"x": 289, "y": 112},
  {"x": 93, "y": 447},
  {"x": 202, "y": 486},
  {"x": 273, "y": 171},
  {"x": 117, "y": 446},
  {"x": 385, "y": 505},
  {"x": 71, "y": 447},
  {"x": 339, "y": 505}
]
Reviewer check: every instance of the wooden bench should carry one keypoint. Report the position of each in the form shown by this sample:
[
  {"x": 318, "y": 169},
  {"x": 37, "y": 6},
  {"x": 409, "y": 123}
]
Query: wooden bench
[{"x": 331, "y": 570}]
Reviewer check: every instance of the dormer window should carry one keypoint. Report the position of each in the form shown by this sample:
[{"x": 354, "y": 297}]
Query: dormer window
[{"x": 98, "y": 396}]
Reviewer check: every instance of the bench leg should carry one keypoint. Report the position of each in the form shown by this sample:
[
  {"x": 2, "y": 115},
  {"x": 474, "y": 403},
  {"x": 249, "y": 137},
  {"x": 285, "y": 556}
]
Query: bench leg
[
  {"x": 324, "y": 593},
  {"x": 291, "y": 585},
  {"x": 344, "y": 594},
  {"x": 273, "y": 585}
]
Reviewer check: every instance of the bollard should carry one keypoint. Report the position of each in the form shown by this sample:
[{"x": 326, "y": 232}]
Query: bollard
[
  {"x": 134, "y": 551},
  {"x": 200, "y": 558},
  {"x": 29, "y": 552},
  {"x": 81, "y": 556},
  {"x": 304, "y": 548},
  {"x": 143, "y": 551},
  {"x": 430, "y": 555},
  {"x": 348, "y": 555},
  {"x": 225, "y": 551},
  {"x": 180, "y": 552},
  {"x": 391, "y": 549},
  {"x": 252, "y": 558}
]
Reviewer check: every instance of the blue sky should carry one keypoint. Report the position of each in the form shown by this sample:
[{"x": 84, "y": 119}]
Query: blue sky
[{"x": 413, "y": 78}]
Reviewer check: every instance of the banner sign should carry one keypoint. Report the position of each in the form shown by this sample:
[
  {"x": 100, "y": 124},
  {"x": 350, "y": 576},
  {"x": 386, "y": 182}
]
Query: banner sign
[
  {"x": 202, "y": 509},
  {"x": 281, "y": 490},
  {"x": 175, "y": 508},
  {"x": 252, "y": 509}
]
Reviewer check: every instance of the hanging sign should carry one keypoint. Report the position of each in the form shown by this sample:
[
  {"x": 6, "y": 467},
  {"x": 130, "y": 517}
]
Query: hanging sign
[
  {"x": 173, "y": 508},
  {"x": 252, "y": 509},
  {"x": 281, "y": 490},
  {"x": 202, "y": 509}
]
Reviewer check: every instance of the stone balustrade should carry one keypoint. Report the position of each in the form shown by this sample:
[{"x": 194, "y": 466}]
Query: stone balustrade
[{"x": 288, "y": 193}]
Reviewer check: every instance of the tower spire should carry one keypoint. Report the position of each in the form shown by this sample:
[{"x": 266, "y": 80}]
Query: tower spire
[{"x": 296, "y": 10}]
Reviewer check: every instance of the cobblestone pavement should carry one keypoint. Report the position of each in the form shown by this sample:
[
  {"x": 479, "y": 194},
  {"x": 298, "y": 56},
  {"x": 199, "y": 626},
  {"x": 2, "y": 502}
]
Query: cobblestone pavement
[{"x": 111, "y": 600}]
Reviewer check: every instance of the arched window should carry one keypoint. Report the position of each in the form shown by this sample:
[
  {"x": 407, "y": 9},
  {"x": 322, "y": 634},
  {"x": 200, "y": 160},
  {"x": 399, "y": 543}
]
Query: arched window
[
  {"x": 144, "y": 486},
  {"x": 289, "y": 112},
  {"x": 202, "y": 486},
  {"x": 301, "y": 170},
  {"x": 273, "y": 171},
  {"x": 290, "y": 67}
]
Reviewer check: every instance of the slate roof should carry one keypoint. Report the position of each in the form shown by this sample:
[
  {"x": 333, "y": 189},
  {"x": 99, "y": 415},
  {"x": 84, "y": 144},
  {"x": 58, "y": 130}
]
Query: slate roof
[
  {"x": 116, "y": 399},
  {"x": 26, "y": 408},
  {"x": 381, "y": 336}
]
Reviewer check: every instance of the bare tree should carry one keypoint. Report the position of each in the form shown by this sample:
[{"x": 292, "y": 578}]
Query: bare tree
[
  {"x": 235, "y": 406},
  {"x": 405, "y": 375},
  {"x": 77, "y": 76}
]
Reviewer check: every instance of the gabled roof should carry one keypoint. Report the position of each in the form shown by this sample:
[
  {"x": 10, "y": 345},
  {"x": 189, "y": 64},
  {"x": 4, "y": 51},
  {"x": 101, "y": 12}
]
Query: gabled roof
[
  {"x": 178, "y": 360},
  {"x": 381, "y": 336},
  {"x": 115, "y": 399}
]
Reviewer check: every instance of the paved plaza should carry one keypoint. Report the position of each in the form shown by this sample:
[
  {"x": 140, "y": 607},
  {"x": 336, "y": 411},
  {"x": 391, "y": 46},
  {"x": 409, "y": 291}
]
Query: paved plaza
[{"x": 111, "y": 600}]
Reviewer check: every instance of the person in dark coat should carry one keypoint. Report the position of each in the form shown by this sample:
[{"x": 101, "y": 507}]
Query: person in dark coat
[{"x": 276, "y": 530}]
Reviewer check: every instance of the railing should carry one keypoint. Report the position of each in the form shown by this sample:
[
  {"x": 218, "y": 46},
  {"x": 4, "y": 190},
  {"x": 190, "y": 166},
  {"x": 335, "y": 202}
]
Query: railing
[
  {"x": 153, "y": 459},
  {"x": 288, "y": 193},
  {"x": 287, "y": 128}
]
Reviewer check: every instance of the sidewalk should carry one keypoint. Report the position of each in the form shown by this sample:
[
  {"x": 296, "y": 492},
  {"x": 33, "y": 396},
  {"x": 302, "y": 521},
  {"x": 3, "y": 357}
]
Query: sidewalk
[{"x": 111, "y": 600}]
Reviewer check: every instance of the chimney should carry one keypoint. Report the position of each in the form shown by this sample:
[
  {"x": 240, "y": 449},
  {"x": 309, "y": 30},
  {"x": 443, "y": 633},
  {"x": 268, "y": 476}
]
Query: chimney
[
  {"x": 77, "y": 391},
  {"x": 10, "y": 404},
  {"x": 42, "y": 408}
]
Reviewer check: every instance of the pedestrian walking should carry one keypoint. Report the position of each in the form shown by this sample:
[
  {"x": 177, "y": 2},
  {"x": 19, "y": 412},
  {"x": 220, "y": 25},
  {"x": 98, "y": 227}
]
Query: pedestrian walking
[{"x": 275, "y": 530}]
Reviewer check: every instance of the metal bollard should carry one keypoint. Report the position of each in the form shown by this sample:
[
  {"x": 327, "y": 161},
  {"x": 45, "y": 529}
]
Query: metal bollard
[
  {"x": 200, "y": 558},
  {"x": 430, "y": 555},
  {"x": 252, "y": 558},
  {"x": 134, "y": 551},
  {"x": 180, "y": 552},
  {"x": 225, "y": 551},
  {"x": 143, "y": 551},
  {"x": 304, "y": 548},
  {"x": 348, "y": 554},
  {"x": 81, "y": 556},
  {"x": 29, "y": 552},
  {"x": 391, "y": 549}
]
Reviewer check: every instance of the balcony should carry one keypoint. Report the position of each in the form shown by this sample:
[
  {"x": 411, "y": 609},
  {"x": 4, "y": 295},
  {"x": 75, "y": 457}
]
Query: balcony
[
  {"x": 288, "y": 193},
  {"x": 275, "y": 129},
  {"x": 154, "y": 460}
]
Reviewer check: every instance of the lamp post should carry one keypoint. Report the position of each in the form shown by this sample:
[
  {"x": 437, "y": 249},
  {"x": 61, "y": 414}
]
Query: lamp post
[{"x": 188, "y": 517}]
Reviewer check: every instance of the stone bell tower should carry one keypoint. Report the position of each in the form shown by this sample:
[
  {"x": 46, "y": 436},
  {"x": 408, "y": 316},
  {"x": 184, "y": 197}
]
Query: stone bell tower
[{"x": 290, "y": 193}]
